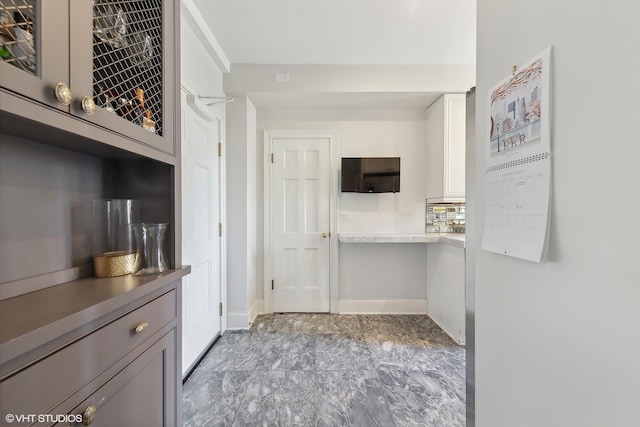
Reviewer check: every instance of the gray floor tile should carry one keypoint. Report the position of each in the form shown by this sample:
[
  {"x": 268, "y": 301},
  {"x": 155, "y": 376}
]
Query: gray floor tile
[
  {"x": 219, "y": 392},
  {"x": 351, "y": 398},
  {"x": 234, "y": 351},
  {"x": 340, "y": 352},
  {"x": 330, "y": 370},
  {"x": 284, "y": 351},
  {"x": 421, "y": 398},
  {"x": 282, "y": 398}
]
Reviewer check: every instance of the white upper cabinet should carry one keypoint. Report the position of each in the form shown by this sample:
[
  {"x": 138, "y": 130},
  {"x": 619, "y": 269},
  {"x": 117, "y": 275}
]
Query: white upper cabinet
[{"x": 446, "y": 149}]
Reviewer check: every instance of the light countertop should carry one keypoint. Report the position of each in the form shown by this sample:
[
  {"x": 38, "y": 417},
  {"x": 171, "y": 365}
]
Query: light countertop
[{"x": 454, "y": 239}]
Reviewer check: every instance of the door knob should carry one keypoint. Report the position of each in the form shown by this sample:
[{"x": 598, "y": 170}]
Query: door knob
[{"x": 325, "y": 235}]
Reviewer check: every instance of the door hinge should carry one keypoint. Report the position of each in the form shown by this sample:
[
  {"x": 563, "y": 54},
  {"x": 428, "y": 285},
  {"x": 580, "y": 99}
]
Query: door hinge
[
  {"x": 220, "y": 306},
  {"x": 219, "y": 149},
  {"x": 272, "y": 285},
  {"x": 219, "y": 229},
  {"x": 271, "y": 157}
]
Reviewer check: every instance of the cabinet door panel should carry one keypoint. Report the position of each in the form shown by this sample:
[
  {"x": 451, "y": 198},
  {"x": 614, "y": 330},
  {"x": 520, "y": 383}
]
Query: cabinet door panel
[
  {"x": 454, "y": 161},
  {"x": 35, "y": 71},
  {"x": 121, "y": 60},
  {"x": 142, "y": 394}
]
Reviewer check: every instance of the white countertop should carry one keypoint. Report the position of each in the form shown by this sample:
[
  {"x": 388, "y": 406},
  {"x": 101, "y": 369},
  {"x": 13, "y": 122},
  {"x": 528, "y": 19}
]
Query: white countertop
[{"x": 454, "y": 239}]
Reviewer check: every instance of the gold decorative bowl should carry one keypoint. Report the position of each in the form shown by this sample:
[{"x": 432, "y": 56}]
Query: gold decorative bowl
[{"x": 111, "y": 264}]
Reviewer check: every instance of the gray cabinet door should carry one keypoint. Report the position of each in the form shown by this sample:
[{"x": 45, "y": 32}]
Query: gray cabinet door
[
  {"x": 35, "y": 38},
  {"x": 122, "y": 56},
  {"x": 142, "y": 394}
]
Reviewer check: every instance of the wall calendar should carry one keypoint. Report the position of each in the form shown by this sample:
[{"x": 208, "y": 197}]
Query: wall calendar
[{"x": 518, "y": 150}]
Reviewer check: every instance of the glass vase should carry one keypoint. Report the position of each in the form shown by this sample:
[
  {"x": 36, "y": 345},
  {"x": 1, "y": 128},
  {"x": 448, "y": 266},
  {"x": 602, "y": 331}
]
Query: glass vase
[
  {"x": 150, "y": 248},
  {"x": 114, "y": 249}
]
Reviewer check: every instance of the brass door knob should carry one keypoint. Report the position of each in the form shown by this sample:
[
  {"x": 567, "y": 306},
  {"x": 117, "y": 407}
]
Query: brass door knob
[
  {"x": 88, "y": 105},
  {"x": 89, "y": 415},
  {"x": 141, "y": 327},
  {"x": 325, "y": 235},
  {"x": 63, "y": 94}
]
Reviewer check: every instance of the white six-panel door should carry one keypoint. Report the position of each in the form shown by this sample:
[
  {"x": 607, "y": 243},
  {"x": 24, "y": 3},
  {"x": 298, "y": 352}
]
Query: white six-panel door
[
  {"x": 201, "y": 241},
  {"x": 300, "y": 224}
]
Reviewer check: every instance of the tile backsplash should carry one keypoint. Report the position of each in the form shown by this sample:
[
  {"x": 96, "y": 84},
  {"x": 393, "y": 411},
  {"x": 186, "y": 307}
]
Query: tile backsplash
[{"x": 445, "y": 218}]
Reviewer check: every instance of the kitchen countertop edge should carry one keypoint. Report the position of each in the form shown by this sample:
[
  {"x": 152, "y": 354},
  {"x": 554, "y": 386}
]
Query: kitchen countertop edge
[{"x": 453, "y": 239}]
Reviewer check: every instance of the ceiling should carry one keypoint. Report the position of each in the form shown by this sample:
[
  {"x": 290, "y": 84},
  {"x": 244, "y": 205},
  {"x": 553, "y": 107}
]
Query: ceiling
[{"x": 343, "y": 32}]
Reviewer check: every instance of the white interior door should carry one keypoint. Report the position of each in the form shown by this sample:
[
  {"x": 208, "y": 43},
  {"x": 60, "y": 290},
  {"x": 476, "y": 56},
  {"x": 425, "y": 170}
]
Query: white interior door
[
  {"x": 201, "y": 321},
  {"x": 300, "y": 224}
]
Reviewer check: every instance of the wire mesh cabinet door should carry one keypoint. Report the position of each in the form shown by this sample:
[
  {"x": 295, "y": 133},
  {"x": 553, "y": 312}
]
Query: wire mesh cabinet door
[
  {"x": 123, "y": 67},
  {"x": 34, "y": 53}
]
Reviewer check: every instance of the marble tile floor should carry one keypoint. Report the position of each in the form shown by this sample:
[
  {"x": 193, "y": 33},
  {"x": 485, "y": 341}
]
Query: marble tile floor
[{"x": 330, "y": 370}]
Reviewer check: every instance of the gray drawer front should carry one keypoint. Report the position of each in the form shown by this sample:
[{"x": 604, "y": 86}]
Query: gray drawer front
[{"x": 40, "y": 387}]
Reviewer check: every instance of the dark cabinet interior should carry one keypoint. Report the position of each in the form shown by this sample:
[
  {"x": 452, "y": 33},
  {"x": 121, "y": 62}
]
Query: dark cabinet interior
[{"x": 47, "y": 194}]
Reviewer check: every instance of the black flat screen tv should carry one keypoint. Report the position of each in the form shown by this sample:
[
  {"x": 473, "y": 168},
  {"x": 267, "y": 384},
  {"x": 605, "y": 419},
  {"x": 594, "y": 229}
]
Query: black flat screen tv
[{"x": 370, "y": 174}]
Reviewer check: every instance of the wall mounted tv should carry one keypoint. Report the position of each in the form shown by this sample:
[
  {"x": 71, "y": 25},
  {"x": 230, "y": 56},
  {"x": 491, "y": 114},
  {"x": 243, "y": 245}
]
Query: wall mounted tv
[{"x": 371, "y": 174}]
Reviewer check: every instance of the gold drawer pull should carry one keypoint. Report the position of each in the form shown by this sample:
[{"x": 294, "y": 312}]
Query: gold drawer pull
[
  {"x": 89, "y": 415},
  {"x": 141, "y": 327}
]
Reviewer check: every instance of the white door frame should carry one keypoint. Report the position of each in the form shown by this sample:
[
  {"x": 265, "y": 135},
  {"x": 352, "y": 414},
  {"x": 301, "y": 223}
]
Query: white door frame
[{"x": 269, "y": 136}]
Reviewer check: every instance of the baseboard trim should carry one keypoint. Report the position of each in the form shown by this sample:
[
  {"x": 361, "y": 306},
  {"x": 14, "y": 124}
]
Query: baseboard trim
[
  {"x": 256, "y": 308},
  {"x": 399, "y": 306},
  {"x": 237, "y": 321}
]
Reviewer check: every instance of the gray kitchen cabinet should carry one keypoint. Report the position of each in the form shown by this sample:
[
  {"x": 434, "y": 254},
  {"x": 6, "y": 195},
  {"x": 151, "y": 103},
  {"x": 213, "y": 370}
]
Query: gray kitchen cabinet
[
  {"x": 107, "y": 63},
  {"x": 69, "y": 340},
  {"x": 125, "y": 363}
]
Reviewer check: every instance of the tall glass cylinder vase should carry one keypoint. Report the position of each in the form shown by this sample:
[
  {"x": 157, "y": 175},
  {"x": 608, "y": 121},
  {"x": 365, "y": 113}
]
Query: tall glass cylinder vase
[
  {"x": 114, "y": 248},
  {"x": 150, "y": 243}
]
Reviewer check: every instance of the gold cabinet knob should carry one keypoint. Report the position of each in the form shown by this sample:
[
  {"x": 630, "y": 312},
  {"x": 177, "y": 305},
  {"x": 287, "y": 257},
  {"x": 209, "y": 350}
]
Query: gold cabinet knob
[
  {"x": 325, "y": 235},
  {"x": 141, "y": 327},
  {"x": 88, "y": 105},
  {"x": 63, "y": 94},
  {"x": 89, "y": 415}
]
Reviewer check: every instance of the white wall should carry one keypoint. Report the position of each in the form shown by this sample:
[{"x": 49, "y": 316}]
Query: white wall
[
  {"x": 372, "y": 133},
  {"x": 557, "y": 343},
  {"x": 198, "y": 69},
  {"x": 241, "y": 211},
  {"x": 305, "y": 78},
  {"x": 252, "y": 185}
]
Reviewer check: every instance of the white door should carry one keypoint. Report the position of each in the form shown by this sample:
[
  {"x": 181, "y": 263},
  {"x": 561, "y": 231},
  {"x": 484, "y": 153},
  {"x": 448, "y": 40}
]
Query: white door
[
  {"x": 300, "y": 208},
  {"x": 201, "y": 321}
]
